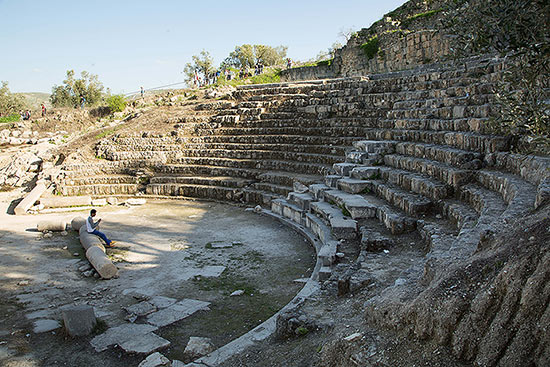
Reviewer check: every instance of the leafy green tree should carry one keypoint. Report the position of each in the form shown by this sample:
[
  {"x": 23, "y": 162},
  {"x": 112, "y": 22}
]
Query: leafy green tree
[
  {"x": 248, "y": 55},
  {"x": 10, "y": 103},
  {"x": 68, "y": 94},
  {"x": 202, "y": 63}
]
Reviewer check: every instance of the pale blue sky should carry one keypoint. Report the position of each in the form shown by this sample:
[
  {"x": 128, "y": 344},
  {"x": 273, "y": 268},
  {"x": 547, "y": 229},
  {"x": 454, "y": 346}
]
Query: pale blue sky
[{"x": 133, "y": 43}]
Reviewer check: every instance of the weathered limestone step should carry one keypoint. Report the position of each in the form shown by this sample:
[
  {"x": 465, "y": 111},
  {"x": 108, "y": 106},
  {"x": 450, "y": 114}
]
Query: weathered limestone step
[
  {"x": 296, "y": 148},
  {"x": 375, "y": 146},
  {"x": 354, "y": 186},
  {"x": 519, "y": 194},
  {"x": 225, "y": 181},
  {"x": 343, "y": 169},
  {"x": 318, "y": 190},
  {"x": 461, "y": 140},
  {"x": 417, "y": 183},
  {"x": 459, "y": 213},
  {"x": 243, "y": 195},
  {"x": 374, "y": 241},
  {"x": 276, "y": 165},
  {"x": 288, "y": 210},
  {"x": 444, "y": 154},
  {"x": 368, "y": 206},
  {"x": 273, "y": 139},
  {"x": 99, "y": 180},
  {"x": 200, "y": 170},
  {"x": 288, "y": 178},
  {"x": 471, "y": 124},
  {"x": 99, "y": 189},
  {"x": 454, "y": 177},
  {"x": 280, "y": 190},
  {"x": 411, "y": 204},
  {"x": 257, "y": 154},
  {"x": 301, "y": 200},
  {"x": 484, "y": 201}
]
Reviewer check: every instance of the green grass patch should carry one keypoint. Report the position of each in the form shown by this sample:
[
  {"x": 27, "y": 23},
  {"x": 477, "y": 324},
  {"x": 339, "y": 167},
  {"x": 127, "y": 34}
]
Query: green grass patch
[
  {"x": 105, "y": 133},
  {"x": 10, "y": 118},
  {"x": 371, "y": 47},
  {"x": 225, "y": 284},
  {"x": 405, "y": 23},
  {"x": 324, "y": 62}
]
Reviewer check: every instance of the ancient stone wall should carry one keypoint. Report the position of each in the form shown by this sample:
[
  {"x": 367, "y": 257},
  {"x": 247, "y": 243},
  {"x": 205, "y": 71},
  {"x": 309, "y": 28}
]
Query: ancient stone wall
[{"x": 397, "y": 51}]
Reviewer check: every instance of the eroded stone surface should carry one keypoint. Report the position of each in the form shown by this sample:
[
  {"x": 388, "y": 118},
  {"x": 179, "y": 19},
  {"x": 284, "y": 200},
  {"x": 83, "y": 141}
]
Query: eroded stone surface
[
  {"x": 144, "y": 344},
  {"x": 120, "y": 334},
  {"x": 176, "y": 312}
]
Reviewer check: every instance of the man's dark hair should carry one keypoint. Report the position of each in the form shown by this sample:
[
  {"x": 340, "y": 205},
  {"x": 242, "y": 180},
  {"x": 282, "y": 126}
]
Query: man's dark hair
[{"x": 93, "y": 211}]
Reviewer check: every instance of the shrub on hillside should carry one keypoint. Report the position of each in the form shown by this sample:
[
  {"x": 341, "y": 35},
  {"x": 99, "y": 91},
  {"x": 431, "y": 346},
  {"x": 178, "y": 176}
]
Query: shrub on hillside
[
  {"x": 116, "y": 103},
  {"x": 10, "y": 103}
]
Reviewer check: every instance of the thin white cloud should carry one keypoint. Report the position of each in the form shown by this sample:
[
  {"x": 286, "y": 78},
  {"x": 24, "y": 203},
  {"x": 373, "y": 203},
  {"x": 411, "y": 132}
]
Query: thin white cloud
[{"x": 36, "y": 70}]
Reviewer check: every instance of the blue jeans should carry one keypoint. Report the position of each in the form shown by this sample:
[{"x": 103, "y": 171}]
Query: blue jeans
[{"x": 102, "y": 236}]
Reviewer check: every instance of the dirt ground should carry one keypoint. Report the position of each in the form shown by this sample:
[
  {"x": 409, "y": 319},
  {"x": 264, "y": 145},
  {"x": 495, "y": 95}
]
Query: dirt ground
[{"x": 165, "y": 248}]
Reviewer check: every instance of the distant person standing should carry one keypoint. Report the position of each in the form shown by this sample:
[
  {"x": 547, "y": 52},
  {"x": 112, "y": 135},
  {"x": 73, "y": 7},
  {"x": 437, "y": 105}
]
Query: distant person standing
[
  {"x": 288, "y": 63},
  {"x": 82, "y": 101},
  {"x": 142, "y": 92},
  {"x": 43, "y": 110}
]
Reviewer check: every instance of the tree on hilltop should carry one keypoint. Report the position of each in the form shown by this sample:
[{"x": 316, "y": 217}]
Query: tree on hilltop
[
  {"x": 68, "y": 94},
  {"x": 248, "y": 55},
  {"x": 10, "y": 103},
  {"x": 202, "y": 63}
]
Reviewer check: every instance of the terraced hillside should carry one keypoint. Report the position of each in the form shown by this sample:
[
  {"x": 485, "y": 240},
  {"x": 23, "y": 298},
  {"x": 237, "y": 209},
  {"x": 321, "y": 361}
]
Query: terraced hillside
[{"x": 371, "y": 162}]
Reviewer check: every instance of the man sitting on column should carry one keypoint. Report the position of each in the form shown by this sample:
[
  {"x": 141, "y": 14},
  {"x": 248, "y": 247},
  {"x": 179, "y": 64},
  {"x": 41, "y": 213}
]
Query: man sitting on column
[{"x": 92, "y": 227}]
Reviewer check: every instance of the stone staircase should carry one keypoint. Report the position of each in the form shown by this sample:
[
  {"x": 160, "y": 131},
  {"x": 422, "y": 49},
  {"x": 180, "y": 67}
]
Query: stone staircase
[{"x": 411, "y": 150}]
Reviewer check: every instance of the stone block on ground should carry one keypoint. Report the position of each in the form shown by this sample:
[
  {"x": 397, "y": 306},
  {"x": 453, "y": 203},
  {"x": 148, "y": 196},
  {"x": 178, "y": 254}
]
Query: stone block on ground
[
  {"x": 155, "y": 360},
  {"x": 112, "y": 200},
  {"x": 144, "y": 344},
  {"x": 79, "y": 320},
  {"x": 177, "y": 312},
  {"x": 43, "y": 326},
  {"x": 141, "y": 309},
  {"x": 198, "y": 347},
  {"x": 119, "y": 335}
]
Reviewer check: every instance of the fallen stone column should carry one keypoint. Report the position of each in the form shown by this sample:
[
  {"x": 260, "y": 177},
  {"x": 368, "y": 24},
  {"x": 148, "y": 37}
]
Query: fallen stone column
[
  {"x": 101, "y": 262},
  {"x": 51, "y": 225},
  {"x": 77, "y": 222},
  {"x": 30, "y": 199},
  {"x": 95, "y": 251},
  {"x": 88, "y": 240}
]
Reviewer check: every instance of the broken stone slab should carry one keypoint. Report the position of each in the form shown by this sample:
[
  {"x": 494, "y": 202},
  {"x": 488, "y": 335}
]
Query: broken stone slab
[
  {"x": 136, "y": 201},
  {"x": 51, "y": 225},
  {"x": 43, "y": 326},
  {"x": 119, "y": 335},
  {"x": 65, "y": 201},
  {"x": 79, "y": 320},
  {"x": 177, "y": 312},
  {"x": 140, "y": 309},
  {"x": 30, "y": 199},
  {"x": 162, "y": 302},
  {"x": 144, "y": 344},
  {"x": 155, "y": 360},
  {"x": 101, "y": 262},
  {"x": 198, "y": 347}
]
